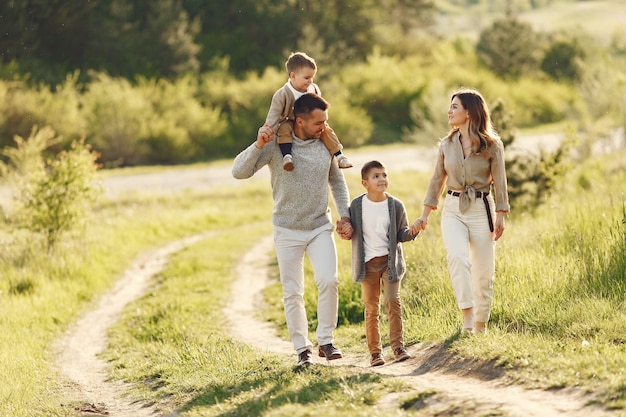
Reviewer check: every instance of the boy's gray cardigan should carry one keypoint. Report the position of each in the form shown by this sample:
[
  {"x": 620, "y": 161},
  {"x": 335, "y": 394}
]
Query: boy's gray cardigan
[{"x": 398, "y": 233}]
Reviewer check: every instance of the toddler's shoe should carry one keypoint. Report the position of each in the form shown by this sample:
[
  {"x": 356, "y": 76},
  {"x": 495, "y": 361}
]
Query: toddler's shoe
[
  {"x": 377, "y": 359},
  {"x": 288, "y": 162},
  {"x": 344, "y": 162}
]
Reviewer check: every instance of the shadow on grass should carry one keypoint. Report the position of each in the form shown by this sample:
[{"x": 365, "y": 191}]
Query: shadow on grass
[{"x": 282, "y": 385}]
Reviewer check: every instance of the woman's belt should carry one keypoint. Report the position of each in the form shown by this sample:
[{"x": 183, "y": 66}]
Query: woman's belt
[{"x": 483, "y": 196}]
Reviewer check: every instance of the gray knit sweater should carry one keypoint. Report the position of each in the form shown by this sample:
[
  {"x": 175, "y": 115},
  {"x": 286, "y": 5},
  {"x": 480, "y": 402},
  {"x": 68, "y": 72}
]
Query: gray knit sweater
[
  {"x": 300, "y": 196},
  {"x": 398, "y": 233}
]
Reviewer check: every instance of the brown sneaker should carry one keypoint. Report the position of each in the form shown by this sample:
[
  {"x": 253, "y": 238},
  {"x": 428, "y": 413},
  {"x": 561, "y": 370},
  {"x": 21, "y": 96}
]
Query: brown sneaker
[
  {"x": 305, "y": 358},
  {"x": 330, "y": 352},
  {"x": 288, "y": 162},
  {"x": 377, "y": 359},
  {"x": 401, "y": 354}
]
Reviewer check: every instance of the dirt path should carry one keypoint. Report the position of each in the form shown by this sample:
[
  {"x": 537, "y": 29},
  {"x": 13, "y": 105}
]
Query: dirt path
[
  {"x": 79, "y": 362},
  {"x": 430, "y": 368}
]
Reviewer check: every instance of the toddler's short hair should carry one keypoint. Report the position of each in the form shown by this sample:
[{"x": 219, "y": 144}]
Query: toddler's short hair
[
  {"x": 298, "y": 60},
  {"x": 370, "y": 166}
]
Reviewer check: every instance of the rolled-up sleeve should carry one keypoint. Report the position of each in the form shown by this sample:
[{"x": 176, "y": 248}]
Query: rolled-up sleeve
[
  {"x": 498, "y": 173},
  {"x": 339, "y": 189},
  {"x": 437, "y": 181}
]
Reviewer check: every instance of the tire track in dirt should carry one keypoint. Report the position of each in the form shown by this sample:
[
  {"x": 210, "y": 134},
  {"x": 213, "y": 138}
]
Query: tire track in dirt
[
  {"x": 78, "y": 350},
  {"x": 428, "y": 369}
]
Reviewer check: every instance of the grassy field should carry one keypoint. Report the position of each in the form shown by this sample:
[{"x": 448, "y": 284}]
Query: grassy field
[
  {"x": 557, "y": 320},
  {"x": 602, "y": 18}
]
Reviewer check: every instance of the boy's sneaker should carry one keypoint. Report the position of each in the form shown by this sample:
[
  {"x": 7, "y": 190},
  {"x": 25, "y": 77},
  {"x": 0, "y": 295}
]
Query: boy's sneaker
[
  {"x": 288, "y": 162},
  {"x": 377, "y": 359},
  {"x": 344, "y": 162},
  {"x": 401, "y": 354}
]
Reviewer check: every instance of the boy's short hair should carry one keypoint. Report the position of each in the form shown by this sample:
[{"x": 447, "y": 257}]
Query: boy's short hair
[
  {"x": 307, "y": 103},
  {"x": 298, "y": 60},
  {"x": 370, "y": 166}
]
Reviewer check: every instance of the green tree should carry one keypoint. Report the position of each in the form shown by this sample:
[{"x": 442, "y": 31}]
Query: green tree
[
  {"x": 255, "y": 34},
  {"x": 508, "y": 47},
  {"x": 564, "y": 60},
  {"x": 50, "y": 38}
]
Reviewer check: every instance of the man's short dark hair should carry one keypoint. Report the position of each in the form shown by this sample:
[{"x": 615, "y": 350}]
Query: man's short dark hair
[{"x": 307, "y": 103}]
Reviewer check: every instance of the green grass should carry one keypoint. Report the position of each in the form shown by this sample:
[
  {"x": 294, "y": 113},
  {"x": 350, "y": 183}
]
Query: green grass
[{"x": 557, "y": 319}]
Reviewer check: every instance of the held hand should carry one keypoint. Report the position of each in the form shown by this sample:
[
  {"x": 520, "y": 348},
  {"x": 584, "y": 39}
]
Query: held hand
[
  {"x": 344, "y": 228},
  {"x": 418, "y": 226}
]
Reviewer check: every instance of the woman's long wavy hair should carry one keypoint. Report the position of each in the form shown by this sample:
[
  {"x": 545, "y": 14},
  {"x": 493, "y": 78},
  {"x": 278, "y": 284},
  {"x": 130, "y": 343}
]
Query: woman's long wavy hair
[{"x": 481, "y": 131}]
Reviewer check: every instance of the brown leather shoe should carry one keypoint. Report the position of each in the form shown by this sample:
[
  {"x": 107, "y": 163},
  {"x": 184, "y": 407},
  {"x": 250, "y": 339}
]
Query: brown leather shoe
[
  {"x": 330, "y": 352},
  {"x": 377, "y": 359},
  {"x": 401, "y": 354},
  {"x": 305, "y": 358}
]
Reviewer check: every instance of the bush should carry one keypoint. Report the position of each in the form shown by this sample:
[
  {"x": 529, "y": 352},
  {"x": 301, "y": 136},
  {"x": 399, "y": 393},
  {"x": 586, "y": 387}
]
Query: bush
[
  {"x": 22, "y": 108},
  {"x": 153, "y": 122},
  {"x": 56, "y": 196},
  {"x": 508, "y": 47},
  {"x": 244, "y": 102},
  {"x": 384, "y": 88}
]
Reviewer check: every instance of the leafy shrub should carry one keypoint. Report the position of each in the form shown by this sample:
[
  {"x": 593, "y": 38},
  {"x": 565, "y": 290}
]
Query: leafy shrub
[
  {"x": 531, "y": 178},
  {"x": 117, "y": 119},
  {"x": 23, "y": 107},
  {"x": 508, "y": 47},
  {"x": 56, "y": 196},
  {"x": 244, "y": 103},
  {"x": 155, "y": 121},
  {"x": 563, "y": 60},
  {"x": 384, "y": 88}
]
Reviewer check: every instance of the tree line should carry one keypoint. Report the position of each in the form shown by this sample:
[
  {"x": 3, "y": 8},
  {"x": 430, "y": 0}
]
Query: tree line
[{"x": 168, "y": 38}]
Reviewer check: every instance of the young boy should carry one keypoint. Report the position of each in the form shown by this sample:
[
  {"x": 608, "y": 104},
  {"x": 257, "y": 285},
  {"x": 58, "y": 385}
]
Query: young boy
[
  {"x": 301, "y": 69},
  {"x": 380, "y": 226}
]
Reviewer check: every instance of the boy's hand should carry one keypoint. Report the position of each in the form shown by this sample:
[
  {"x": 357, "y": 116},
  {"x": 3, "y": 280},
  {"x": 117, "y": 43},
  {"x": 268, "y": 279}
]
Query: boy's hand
[
  {"x": 418, "y": 226},
  {"x": 265, "y": 135}
]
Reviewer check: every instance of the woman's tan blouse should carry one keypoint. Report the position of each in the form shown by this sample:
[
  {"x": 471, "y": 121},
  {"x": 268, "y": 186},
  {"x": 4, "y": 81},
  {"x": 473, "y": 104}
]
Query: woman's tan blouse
[{"x": 475, "y": 173}]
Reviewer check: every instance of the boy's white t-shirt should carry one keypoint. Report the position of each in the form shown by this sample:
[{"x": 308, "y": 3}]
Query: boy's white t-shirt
[
  {"x": 375, "y": 228},
  {"x": 297, "y": 94}
]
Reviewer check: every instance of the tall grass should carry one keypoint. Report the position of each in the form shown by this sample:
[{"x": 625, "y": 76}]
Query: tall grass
[{"x": 558, "y": 312}]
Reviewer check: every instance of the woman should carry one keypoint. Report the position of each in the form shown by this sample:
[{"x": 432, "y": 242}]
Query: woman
[{"x": 470, "y": 159}]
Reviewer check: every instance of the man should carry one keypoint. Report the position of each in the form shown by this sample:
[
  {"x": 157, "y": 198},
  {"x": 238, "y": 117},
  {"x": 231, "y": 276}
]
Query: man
[{"x": 302, "y": 221}]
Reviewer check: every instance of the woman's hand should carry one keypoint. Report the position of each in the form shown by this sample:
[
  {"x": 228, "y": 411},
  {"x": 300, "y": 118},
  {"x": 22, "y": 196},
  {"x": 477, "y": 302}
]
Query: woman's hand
[
  {"x": 418, "y": 225},
  {"x": 499, "y": 226}
]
